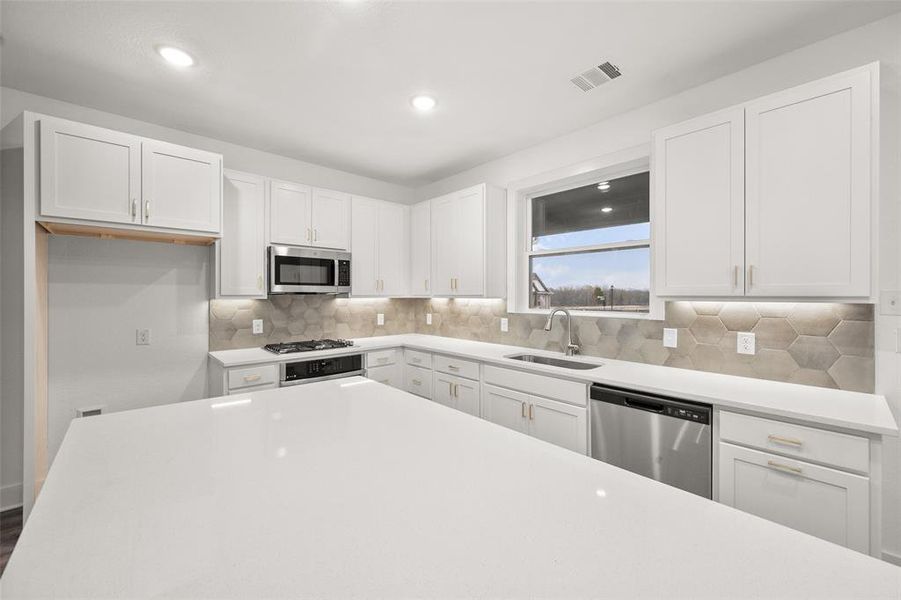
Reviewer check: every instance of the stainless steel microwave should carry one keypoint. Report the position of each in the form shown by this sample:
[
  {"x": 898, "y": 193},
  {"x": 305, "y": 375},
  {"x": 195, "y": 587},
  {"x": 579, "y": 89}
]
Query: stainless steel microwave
[{"x": 296, "y": 270}]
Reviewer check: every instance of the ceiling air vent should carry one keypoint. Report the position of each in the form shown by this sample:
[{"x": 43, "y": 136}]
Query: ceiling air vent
[{"x": 595, "y": 76}]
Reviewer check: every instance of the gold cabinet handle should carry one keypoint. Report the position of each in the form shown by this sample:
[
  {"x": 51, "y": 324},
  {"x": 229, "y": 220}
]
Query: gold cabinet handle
[
  {"x": 315, "y": 234},
  {"x": 453, "y": 367},
  {"x": 147, "y": 209},
  {"x": 415, "y": 361},
  {"x": 735, "y": 276},
  {"x": 134, "y": 208},
  {"x": 781, "y": 467},
  {"x": 249, "y": 378},
  {"x": 309, "y": 234},
  {"x": 450, "y": 389},
  {"x": 259, "y": 282},
  {"x": 750, "y": 275},
  {"x": 426, "y": 285},
  {"x": 778, "y": 439},
  {"x": 382, "y": 359},
  {"x": 523, "y": 409},
  {"x": 531, "y": 412},
  {"x": 417, "y": 382}
]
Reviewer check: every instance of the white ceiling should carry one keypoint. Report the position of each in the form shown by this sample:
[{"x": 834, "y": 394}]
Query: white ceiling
[{"x": 330, "y": 82}]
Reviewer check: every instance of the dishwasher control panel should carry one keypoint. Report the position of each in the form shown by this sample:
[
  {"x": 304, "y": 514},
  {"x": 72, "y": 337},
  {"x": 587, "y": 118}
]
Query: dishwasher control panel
[{"x": 687, "y": 413}]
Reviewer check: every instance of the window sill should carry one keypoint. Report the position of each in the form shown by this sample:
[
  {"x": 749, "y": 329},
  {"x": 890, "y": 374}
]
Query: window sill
[{"x": 651, "y": 316}]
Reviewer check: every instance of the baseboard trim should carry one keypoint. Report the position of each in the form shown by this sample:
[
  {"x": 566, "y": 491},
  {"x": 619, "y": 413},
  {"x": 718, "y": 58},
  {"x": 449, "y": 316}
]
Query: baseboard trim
[
  {"x": 891, "y": 557},
  {"x": 10, "y": 496}
]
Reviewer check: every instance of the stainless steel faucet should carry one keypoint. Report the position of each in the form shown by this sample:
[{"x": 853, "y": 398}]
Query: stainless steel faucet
[{"x": 570, "y": 347}]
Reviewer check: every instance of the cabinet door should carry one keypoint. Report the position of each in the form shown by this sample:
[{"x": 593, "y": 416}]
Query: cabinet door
[
  {"x": 394, "y": 253},
  {"x": 389, "y": 375},
  {"x": 505, "y": 407},
  {"x": 469, "y": 247},
  {"x": 420, "y": 249},
  {"x": 289, "y": 213},
  {"x": 444, "y": 245},
  {"x": 364, "y": 276},
  {"x": 182, "y": 187},
  {"x": 559, "y": 423},
  {"x": 698, "y": 170},
  {"x": 89, "y": 173},
  {"x": 823, "y": 502},
  {"x": 456, "y": 392},
  {"x": 330, "y": 219},
  {"x": 242, "y": 249},
  {"x": 808, "y": 189}
]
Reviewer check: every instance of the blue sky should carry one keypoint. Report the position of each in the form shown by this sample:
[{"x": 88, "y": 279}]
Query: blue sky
[{"x": 621, "y": 268}]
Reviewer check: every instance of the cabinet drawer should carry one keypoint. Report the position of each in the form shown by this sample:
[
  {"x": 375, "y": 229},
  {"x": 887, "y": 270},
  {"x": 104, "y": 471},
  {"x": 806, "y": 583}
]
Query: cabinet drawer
[
  {"x": 818, "y": 445},
  {"x": 389, "y": 375},
  {"x": 252, "y": 376},
  {"x": 418, "y": 381},
  {"x": 417, "y": 358},
  {"x": 549, "y": 387},
  {"x": 381, "y": 358},
  {"x": 456, "y": 366}
]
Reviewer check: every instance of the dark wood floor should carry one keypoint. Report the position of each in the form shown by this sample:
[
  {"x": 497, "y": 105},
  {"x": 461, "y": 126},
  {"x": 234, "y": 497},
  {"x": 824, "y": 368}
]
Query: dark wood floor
[{"x": 10, "y": 528}]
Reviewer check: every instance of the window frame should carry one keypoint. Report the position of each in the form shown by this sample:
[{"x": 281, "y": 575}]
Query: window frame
[{"x": 619, "y": 164}]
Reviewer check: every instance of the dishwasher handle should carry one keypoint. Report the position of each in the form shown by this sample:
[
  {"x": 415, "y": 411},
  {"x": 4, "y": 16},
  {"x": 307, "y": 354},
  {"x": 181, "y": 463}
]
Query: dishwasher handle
[{"x": 643, "y": 405}]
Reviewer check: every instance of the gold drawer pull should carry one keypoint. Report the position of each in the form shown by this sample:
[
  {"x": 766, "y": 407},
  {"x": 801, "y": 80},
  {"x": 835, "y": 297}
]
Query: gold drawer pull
[
  {"x": 523, "y": 410},
  {"x": 417, "y": 382},
  {"x": 383, "y": 359},
  {"x": 249, "y": 378},
  {"x": 784, "y": 440},
  {"x": 531, "y": 412},
  {"x": 781, "y": 467},
  {"x": 453, "y": 367},
  {"x": 416, "y": 361}
]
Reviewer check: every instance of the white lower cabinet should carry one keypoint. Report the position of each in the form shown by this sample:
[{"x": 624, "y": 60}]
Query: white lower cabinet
[
  {"x": 456, "y": 392},
  {"x": 418, "y": 380},
  {"x": 826, "y": 503},
  {"x": 389, "y": 375},
  {"x": 559, "y": 423}
]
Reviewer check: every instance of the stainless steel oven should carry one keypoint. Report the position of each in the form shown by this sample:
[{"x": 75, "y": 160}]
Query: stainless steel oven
[{"x": 295, "y": 270}]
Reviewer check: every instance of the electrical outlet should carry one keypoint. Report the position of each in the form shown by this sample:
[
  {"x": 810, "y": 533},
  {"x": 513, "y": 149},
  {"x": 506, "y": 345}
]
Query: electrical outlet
[
  {"x": 380, "y": 319},
  {"x": 746, "y": 343},
  {"x": 670, "y": 337},
  {"x": 505, "y": 324},
  {"x": 257, "y": 326},
  {"x": 142, "y": 337},
  {"x": 428, "y": 318},
  {"x": 890, "y": 303}
]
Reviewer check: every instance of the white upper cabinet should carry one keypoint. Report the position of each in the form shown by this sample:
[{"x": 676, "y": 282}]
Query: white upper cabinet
[
  {"x": 808, "y": 189},
  {"x": 329, "y": 219},
  {"x": 241, "y": 253},
  {"x": 301, "y": 215},
  {"x": 182, "y": 187},
  {"x": 289, "y": 213},
  {"x": 769, "y": 199},
  {"x": 89, "y": 173},
  {"x": 699, "y": 206},
  {"x": 94, "y": 174},
  {"x": 468, "y": 242},
  {"x": 379, "y": 234},
  {"x": 420, "y": 249}
]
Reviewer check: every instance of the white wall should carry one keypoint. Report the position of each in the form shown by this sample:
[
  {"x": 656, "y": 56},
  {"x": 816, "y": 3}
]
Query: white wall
[
  {"x": 880, "y": 40},
  {"x": 101, "y": 292},
  {"x": 13, "y": 102}
]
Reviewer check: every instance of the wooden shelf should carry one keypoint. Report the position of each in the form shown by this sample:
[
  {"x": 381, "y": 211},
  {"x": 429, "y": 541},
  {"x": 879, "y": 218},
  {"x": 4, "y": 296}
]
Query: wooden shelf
[{"x": 111, "y": 233}]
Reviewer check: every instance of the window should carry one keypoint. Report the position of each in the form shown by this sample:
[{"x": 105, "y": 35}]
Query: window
[{"x": 590, "y": 247}]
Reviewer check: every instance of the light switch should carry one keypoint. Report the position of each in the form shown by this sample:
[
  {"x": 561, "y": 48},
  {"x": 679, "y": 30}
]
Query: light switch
[
  {"x": 380, "y": 319},
  {"x": 505, "y": 324},
  {"x": 428, "y": 318},
  {"x": 746, "y": 343},
  {"x": 257, "y": 326},
  {"x": 670, "y": 337},
  {"x": 142, "y": 337}
]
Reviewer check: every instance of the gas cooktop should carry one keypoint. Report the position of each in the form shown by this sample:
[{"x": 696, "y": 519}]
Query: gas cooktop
[{"x": 307, "y": 346}]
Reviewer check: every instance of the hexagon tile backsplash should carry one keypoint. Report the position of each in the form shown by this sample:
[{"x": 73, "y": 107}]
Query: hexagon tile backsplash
[{"x": 826, "y": 345}]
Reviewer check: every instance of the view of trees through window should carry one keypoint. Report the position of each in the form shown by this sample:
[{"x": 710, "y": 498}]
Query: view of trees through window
[{"x": 591, "y": 247}]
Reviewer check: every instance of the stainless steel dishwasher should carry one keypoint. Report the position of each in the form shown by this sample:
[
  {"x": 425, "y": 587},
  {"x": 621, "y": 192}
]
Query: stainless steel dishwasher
[{"x": 661, "y": 438}]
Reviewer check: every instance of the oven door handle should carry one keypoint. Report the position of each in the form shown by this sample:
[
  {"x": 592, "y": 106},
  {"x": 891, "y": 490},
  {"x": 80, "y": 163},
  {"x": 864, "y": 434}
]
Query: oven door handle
[{"x": 283, "y": 383}]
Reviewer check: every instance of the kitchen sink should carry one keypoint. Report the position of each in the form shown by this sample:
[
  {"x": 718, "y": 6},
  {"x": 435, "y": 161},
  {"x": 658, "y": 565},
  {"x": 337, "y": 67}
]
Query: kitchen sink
[{"x": 554, "y": 362}]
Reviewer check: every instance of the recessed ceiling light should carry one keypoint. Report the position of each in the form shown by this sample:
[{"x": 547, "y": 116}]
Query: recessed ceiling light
[
  {"x": 423, "y": 102},
  {"x": 604, "y": 186},
  {"x": 607, "y": 209},
  {"x": 175, "y": 56}
]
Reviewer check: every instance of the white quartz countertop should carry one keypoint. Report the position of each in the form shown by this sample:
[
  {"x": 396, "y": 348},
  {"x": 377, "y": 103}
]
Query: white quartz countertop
[
  {"x": 349, "y": 488},
  {"x": 856, "y": 411}
]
